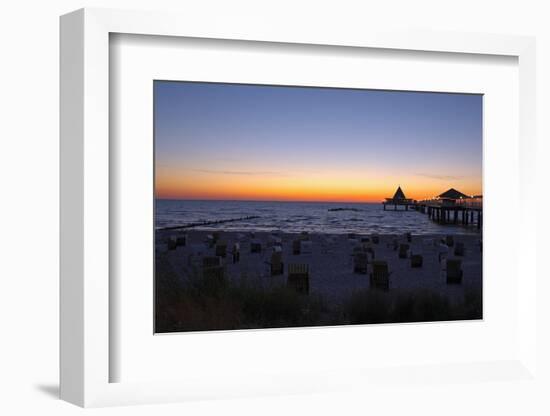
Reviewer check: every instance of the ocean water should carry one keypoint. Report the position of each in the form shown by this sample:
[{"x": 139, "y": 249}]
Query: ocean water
[{"x": 299, "y": 216}]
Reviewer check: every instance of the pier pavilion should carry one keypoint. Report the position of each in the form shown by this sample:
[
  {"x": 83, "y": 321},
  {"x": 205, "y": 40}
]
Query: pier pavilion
[
  {"x": 454, "y": 207},
  {"x": 399, "y": 199}
]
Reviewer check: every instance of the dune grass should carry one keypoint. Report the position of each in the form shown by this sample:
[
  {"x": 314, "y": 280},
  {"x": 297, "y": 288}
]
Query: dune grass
[
  {"x": 373, "y": 306},
  {"x": 202, "y": 304}
]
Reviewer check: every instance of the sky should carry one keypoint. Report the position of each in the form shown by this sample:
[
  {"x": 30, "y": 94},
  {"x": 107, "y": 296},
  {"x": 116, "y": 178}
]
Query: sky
[{"x": 257, "y": 142}]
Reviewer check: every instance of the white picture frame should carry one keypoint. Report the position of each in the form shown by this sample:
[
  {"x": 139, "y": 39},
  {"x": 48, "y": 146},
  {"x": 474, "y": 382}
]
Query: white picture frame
[{"x": 85, "y": 211}]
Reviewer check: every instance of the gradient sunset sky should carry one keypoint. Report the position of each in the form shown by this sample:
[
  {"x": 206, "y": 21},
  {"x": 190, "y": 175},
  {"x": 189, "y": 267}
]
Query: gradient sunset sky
[{"x": 250, "y": 142}]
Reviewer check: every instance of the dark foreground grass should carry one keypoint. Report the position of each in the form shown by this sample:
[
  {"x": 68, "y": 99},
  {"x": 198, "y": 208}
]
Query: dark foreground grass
[
  {"x": 372, "y": 307},
  {"x": 202, "y": 305}
]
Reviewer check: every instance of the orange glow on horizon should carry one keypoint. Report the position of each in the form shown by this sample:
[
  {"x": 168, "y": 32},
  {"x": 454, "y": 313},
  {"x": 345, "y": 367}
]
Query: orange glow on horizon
[{"x": 319, "y": 187}]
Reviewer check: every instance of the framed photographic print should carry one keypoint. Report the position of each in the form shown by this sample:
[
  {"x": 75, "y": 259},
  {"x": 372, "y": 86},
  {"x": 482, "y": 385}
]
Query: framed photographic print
[{"x": 270, "y": 212}]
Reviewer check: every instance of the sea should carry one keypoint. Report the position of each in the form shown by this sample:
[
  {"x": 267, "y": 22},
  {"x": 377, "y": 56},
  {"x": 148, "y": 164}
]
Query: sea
[{"x": 293, "y": 217}]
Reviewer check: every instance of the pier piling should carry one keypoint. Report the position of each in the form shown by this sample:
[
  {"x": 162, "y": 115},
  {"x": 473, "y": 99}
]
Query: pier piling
[
  {"x": 451, "y": 207},
  {"x": 459, "y": 213}
]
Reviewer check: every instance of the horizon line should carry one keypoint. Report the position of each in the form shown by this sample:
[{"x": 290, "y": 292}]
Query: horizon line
[{"x": 267, "y": 200}]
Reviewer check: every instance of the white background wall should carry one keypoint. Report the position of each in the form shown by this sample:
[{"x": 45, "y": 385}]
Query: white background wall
[{"x": 29, "y": 205}]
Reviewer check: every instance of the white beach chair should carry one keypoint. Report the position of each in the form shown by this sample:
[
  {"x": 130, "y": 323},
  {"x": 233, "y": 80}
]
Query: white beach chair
[
  {"x": 306, "y": 247},
  {"x": 236, "y": 252},
  {"x": 393, "y": 244},
  {"x": 442, "y": 252},
  {"x": 276, "y": 265},
  {"x": 428, "y": 243},
  {"x": 172, "y": 242},
  {"x": 195, "y": 254},
  {"x": 161, "y": 247},
  {"x": 326, "y": 244},
  {"x": 404, "y": 251},
  {"x": 459, "y": 248},
  {"x": 274, "y": 240}
]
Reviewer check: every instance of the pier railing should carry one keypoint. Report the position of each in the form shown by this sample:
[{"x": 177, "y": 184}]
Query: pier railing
[
  {"x": 475, "y": 203},
  {"x": 463, "y": 211},
  {"x": 471, "y": 203}
]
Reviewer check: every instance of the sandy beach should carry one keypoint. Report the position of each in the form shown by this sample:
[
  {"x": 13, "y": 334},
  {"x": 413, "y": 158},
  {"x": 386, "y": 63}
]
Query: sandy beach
[{"x": 330, "y": 261}]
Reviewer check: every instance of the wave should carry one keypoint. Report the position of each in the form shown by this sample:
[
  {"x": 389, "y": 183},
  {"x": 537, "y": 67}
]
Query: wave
[{"x": 294, "y": 217}]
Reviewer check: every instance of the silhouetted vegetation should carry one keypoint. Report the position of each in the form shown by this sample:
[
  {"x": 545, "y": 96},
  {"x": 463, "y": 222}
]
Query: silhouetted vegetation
[
  {"x": 208, "y": 304},
  {"x": 219, "y": 304},
  {"x": 371, "y": 306}
]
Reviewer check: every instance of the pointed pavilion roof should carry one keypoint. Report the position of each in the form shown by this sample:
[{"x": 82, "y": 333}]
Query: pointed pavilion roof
[
  {"x": 399, "y": 194},
  {"x": 453, "y": 194}
]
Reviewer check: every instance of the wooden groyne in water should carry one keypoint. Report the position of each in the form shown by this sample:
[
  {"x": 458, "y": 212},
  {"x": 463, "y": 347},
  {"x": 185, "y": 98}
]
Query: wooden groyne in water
[
  {"x": 205, "y": 223},
  {"x": 344, "y": 209}
]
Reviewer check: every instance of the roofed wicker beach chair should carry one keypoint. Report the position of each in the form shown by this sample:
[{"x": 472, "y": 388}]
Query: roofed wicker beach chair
[
  {"x": 306, "y": 247},
  {"x": 442, "y": 252},
  {"x": 394, "y": 244},
  {"x": 380, "y": 276},
  {"x": 298, "y": 278},
  {"x": 429, "y": 243},
  {"x": 403, "y": 251},
  {"x": 195, "y": 254},
  {"x": 296, "y": 247},
  {"x": 236, "y": 252},
  {"x": 275, "y": 240},
  {"x": 416, "y": 260},
  {"x": 181, "y": 240},
  {"x": 276, "y": 264},
  {"x": 221, "y": 249},
  {"x": 209, "y": 241},
  {"x": 212, "y": 269},
  {"x": 459, "y": 248},
  {"x": 454, "y": 271},
  {"x": 360, "y": 261},
  {"x": 172, "y": 243},
  {"x": 367, "y": 248},
  {"x": 255, "y": 247},
  {"x": 356, "y": 250},
  {"x": 161, "y": 247},
  {"x": 211, "y": 261}
]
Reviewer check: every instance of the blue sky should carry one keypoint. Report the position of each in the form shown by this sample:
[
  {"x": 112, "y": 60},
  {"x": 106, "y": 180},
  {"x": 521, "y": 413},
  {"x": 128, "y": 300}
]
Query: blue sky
[{"x": 230, "y": 135}]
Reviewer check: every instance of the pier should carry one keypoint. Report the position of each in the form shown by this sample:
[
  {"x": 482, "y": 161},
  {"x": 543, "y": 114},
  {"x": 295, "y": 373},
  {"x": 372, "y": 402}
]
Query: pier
[
  {"x": 454, "y": 207},
  {"x": 460, "y": 213},
  {"x": 451, "y": 207}
]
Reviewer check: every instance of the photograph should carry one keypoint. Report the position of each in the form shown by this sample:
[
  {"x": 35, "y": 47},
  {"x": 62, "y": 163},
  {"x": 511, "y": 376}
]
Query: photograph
[{"x": 279, "y": 206}]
